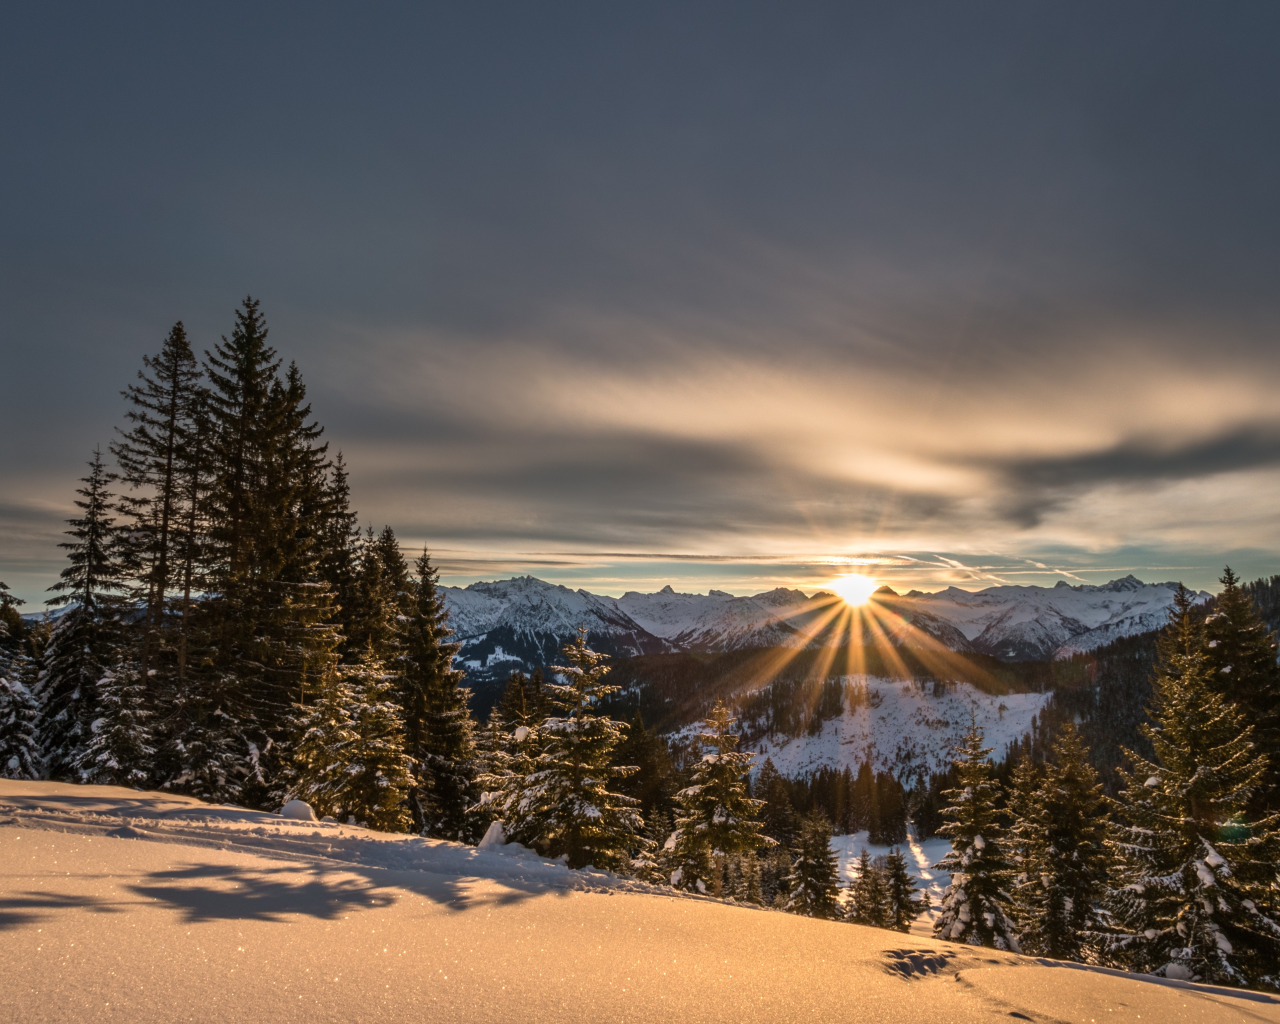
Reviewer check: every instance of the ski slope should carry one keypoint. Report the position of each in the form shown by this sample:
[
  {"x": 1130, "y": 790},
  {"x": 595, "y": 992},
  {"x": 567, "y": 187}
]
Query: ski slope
[{"x": 146, "y": 907}]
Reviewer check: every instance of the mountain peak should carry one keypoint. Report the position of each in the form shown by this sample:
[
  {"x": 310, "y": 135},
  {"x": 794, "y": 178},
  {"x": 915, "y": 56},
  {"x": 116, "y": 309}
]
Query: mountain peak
[{"x": 666, "y": 590}]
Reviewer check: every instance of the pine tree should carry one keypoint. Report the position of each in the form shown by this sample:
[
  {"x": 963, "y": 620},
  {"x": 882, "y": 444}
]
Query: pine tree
[
  {"x": 905, "y": 904},
  {"x": 1240, "y": 656},
  {"x": 566, "y": 803},
  {"x": 119, "y": 751},
  {"x": 378, "y": 770},
  {"x": 1062, "y": 858},
  {"x": 19, "y": 712},
  {"x": 869, "y": 895},
  {"x": 974, "y": 905},
  {"x": 208, "y": 754},
  {"x": 434, "y": 704},
  {"x": 86, "y": 639},
  {"x": 716, "y": 819},
  {"x": 812, "y": 889},
  {"x": 324, "y": 733},
  {"x": 348, "y": 760},
  {"x": 748, "y": 887},
  {"x": 152, "y": 454},
  {"x": 1195, "y": 890},
  {"x": 779, "y": 816},
  {"x": 269, "y": 620},
  {"x": 338, "y": 547}
]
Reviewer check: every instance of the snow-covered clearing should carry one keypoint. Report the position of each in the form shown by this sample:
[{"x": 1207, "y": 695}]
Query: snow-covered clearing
[
  {"x": 122, "y": 905},
  {"x": 921, "y": 854},
  {"x": 909, "y": 728}
]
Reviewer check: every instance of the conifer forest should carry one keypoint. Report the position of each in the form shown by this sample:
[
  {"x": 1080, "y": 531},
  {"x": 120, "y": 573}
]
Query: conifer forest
[{"x": 225, "y": 627}]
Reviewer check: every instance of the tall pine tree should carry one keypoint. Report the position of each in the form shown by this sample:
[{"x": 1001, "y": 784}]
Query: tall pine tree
[
  {"x": 974, "y": 906},
  {"x": 568, "y": 803},
  {"x": 1062, "y": 858},
  {"x": 1195, "y": 892},
  {"x": 438, "y": 727},
  {"x": 716, "y": 818},
  {"x": 1240, "y": 656},
  {"x": 812, "y": 887},
  {"x": 86, "y": 640}
]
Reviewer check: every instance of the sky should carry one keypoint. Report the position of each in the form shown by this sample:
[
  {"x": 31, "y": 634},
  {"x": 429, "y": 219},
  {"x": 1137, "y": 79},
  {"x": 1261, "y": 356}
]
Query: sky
[{"x": 717, "y": 295}]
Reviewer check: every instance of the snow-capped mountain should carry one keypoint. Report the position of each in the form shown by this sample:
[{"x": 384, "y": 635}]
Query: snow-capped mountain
[
  {"x": 523, "y": 622},
  {"x": 1020, "y": 623}
]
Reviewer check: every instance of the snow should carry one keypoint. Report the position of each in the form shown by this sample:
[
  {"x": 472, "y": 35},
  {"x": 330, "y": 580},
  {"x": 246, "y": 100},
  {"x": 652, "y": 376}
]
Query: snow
[
  {"x": 147, "y": 907},
  {"x": 911, "y": 733},
  {"x": 298, "y": 810}
]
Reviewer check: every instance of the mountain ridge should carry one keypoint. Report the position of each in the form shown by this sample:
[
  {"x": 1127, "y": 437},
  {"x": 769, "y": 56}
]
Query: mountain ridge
[{"x": 521, "y": 622}]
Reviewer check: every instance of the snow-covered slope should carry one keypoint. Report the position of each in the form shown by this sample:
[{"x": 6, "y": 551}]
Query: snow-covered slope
[
  {"x": 145, "y": 907},
  {"x": 907, "y": 728}
]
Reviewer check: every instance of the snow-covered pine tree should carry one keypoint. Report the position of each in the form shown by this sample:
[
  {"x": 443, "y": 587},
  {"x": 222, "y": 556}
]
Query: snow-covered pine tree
[
  {"x": 812, "y": 888},
  {"x": 119, "y": 751},
  {"x": 378, "y": 776},
  {"x": 1060, "y": 852},
  {"x": 19, "y": 712},
  {"x": 905, "y": 903},
  {"x": 567, "y": 803},
  {"x": 85, "y": 640},
  {"x": 324, "y": 733},
  {"x": 869, "y": 895},
  {"x": 974, "y": 905},
  {"x": 715, "y": 818},
  {"x": 1240, "y": 654},
  {"x": 1194, "y": 894},
  {"x": 207, "y": 752},
  {"x": 437, "y": 720}
]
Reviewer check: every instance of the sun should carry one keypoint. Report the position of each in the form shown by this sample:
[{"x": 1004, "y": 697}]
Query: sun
[{"x": 854, "y": 589}]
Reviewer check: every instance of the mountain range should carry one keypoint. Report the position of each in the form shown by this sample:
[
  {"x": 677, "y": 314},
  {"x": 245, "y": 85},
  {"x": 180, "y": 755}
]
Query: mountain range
[{"x": 521, "y": 623}]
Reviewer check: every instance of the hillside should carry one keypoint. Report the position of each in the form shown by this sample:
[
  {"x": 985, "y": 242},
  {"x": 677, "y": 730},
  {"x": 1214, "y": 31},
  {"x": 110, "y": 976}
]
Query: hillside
[{"x": 145, "y": 907}]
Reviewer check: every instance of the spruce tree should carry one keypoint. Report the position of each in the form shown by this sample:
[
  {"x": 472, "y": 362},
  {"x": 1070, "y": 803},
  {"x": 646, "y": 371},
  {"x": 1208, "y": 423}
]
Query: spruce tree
[
  {"x": 269, "y": 618},
  {"x": 434, "y": 705},
  {"x": 19, "y": 712},
  {"x": 567, "y": 802},
  {"x": 152, "y": 453},
  {"x": 324, "y": 733},
  {"x": 812, "y": 888},
  {"x": 1060, "y": 835},
  {"x": 86, "y": 639},
  {"x": 1195, "y": 890},
  {"x": 869, "y": 895},
  {"x": 119, "y": 750},
  {"x": 1240, "y": 656},
  {"x": 348, "y": 759},
  {"x": 716, "y": 819},
  {"x": 974, "y": 905},
  {"x": 208, "y": 754},
  {"x": 905, "y": 903},
  {"x": 377, "y": 767}
]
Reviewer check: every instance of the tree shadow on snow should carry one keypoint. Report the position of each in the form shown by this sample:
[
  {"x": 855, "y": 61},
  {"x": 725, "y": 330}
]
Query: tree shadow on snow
[
  {"x": 29, "y": 907},
  {"x": 259, "y": 895}
]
